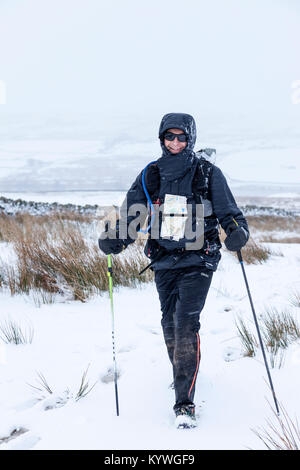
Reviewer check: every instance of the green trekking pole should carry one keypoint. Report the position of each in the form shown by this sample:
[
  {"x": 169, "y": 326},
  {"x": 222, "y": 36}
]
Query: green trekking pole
[{"x": 110, "y": 286}]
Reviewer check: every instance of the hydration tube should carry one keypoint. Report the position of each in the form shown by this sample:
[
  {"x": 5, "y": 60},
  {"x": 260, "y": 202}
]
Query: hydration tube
[{"x": 152, "y": 212}]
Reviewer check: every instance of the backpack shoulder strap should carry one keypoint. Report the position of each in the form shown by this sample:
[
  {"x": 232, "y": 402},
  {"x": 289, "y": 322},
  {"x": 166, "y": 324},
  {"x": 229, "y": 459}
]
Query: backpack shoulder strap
[
  {"x": 152, "y": 180},
  {"x": 200, "y": 183},
  {"x": 202, "y": 177}
]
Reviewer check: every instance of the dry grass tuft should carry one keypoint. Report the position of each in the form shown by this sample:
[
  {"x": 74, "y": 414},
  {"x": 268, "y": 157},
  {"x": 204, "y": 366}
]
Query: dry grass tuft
[
  {"x": 284, "y": 434},
  {"x": 255, "y": 253},
  {"x": 271, "y": 239},
  {"x": 59, "y": 255},
  {"x": 278, "y": 329},
  {"x": 273, "y": 223},
  {"x": 249, "y": 341},
  {"x": 12, "y": 333},
  {"x": 61, "y": 398},
  {"x": 295, "y": 298},
  {"x": 11, "y": 227}
]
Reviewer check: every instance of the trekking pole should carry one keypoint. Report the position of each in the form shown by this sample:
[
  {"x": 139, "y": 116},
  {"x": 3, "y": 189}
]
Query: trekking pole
[
  {"x": 258, "y": 332},
  {"x": 109, "y": 273}
]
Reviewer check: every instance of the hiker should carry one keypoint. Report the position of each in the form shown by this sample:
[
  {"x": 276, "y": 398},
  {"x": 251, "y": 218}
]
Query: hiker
[{"x": 183, "y": 274}]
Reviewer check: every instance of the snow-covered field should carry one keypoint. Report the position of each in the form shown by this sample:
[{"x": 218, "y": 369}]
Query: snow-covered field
[
  {"x": 231, "y": 393},
  {"x": 102, "y": 198},
  {"x": 59, "y": 153},
  {"x": 46, "y": 163}
]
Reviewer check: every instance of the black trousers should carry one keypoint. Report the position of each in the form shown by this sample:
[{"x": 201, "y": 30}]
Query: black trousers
[{"x": 182, "y": 294}]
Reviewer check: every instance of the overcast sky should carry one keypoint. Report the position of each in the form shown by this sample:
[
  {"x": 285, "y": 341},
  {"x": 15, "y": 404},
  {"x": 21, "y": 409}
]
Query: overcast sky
[{"x": 149, "y": 57}]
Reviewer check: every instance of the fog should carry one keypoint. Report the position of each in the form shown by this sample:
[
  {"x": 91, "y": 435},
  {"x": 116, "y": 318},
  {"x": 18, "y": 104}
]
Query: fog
[
  {"x": 92, "y": 70},
  {"x": 137, "y": 58}
]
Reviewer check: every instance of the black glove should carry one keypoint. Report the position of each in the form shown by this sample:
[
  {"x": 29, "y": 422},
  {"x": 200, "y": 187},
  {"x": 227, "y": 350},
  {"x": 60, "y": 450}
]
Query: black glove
[
  {"x": 236, "y": 238},
  {"x": 111, "y": 245},
  {"x": 109, "y": 241}
]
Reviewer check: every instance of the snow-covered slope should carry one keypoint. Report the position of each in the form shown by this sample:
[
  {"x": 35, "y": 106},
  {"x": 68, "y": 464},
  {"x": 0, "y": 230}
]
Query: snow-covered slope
[
  {"x": 85, "y": 153},
  {"x": 231, "y": 393}
]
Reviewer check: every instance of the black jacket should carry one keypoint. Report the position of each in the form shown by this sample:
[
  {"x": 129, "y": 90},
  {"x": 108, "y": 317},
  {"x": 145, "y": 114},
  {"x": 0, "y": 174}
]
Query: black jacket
[{"x": 224, "y": 207}]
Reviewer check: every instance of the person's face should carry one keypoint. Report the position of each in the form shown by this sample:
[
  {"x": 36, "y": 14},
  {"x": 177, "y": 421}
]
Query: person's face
[{"x": 175, "y": 146}]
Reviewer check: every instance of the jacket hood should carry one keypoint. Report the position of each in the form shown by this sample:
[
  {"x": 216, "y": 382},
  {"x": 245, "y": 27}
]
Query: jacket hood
[
  {"x": 182, "y": 121},
  {"x": 173, "y": 166}
]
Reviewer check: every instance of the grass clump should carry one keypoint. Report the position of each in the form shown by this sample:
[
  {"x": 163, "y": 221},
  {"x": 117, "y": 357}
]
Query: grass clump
[
  {"x": 273, "y": 223},
  {"x": 271, "y": 239},
  {"x": 56, "y": 255},
  {"x": 278, "y": 331},
  {"x": 248, "y": 339},
  {"x": 255, "y": 253},
  {"x": 84, "y": 388},
  {"x": 43, "y": 384},
  {"x": 295, "y": 299},
  {"x": 283, "y": 434},
  {"x": 11, "y": 332},
  {"x": 58, "y": 399}
]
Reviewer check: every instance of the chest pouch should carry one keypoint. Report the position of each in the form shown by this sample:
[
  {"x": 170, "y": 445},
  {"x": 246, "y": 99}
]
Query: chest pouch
[{"x": 174, "y": 217}]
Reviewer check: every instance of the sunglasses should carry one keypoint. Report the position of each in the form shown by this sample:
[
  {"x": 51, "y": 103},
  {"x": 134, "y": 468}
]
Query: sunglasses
[{"x": 170, "y": 136}]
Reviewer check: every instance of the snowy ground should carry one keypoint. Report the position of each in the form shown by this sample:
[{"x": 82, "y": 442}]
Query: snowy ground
[
  {"x": 231, "y": 390},
  {"x": 44, "y": 155},
  {"x": 102, "y": 198}
]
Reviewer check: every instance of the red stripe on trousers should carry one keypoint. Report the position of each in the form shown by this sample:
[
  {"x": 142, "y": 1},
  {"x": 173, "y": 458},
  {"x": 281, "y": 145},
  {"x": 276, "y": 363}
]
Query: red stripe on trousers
[{"x": 198, "y": 360}]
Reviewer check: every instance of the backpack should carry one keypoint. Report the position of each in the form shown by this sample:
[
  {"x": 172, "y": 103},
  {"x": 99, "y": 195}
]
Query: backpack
[
  {"x": 200, "y": 188},
  {"x": 200, "y": 184}
]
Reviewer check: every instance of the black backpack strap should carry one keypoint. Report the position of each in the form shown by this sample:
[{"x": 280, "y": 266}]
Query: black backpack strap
[
  {"x": 200, "y": 183},
  {"x": 152, "y": 180},
  {"x": 201, "y": 179}
]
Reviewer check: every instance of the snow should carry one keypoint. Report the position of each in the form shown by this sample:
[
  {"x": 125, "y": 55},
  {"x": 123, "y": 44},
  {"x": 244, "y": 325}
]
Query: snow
[
  {"x": 85, "y": 152},
  {"x": 102, "y": 198},
  {"x": 70, "y": 337},
  {"x": 231, "y": 392},
  {"x": 273, "y": 165},
  {"x": 288, "y": 195}
]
